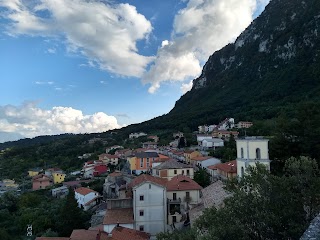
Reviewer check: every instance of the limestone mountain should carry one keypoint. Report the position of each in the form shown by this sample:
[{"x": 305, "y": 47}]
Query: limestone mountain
[{"x": 271, "y": 67}]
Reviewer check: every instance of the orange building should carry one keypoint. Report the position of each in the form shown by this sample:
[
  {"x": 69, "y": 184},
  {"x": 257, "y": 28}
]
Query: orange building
[{"x": 143, "y": 161}]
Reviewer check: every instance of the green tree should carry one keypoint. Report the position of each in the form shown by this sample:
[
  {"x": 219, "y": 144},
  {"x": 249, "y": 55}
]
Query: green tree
[
  {"x": 202, "y": 177},
  {"x": 71, "y": 217}
]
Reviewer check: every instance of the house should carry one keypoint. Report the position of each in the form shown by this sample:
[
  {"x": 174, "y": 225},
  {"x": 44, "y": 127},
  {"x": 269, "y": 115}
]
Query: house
[
  {"x": 48, "y": 172},
  {"x": 189, "y": 154},
  {"x": 114, "y": 183},
  {"x": 226, "y": 124},
  {"x": 152, "y": 145},
  {"x": 224, "y": 171},
  {"x": 86, "y": 197},
  {"x": 143, "y": 162},
  {"x": 58, "y": 177},
  {"x": 201, "y": 137},
  {"x": 137, "y": 135},
  {"x": 123, "y": 233},
  {"x": 243, "y": 124},
  {"x": 224, "y": 134},
  {"x": 212, "y": 143},
  {"x": 149, "y": 201},
  {"x": 172, "y": 168},
  {"x": 100, "y": 169},
  {"x": 41, "y": 181},
  {"x": 34, "y": 171},
  {"x": 109, "y": 158},
  {"x": 162, "y": 158},
  {"x": 183, "y": 193},
  {"x": 121, "y": 216},
  {"x": 82, "y": 234},
  {"x": 60, "y": 192},
  {"x": 212, "y": 196},
  {"x": 250, "y": 151},
  {"x": 123, "y": 153},
  {"x": 204, "y": 162}
]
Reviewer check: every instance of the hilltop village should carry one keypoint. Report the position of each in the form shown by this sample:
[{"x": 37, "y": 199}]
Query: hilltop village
[{"x": 152, "y": 189}]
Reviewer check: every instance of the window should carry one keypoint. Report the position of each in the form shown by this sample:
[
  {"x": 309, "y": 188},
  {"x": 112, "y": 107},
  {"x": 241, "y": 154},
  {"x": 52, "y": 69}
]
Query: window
[
  {"x": 187, "y": 194},
  {"x": 188, "y": 172},
  {"x": 149, "y": 186},
  {"x": 175, "y": 171},
  {"x": 174, "y": 219},
  {"x": 141, "y": 228},
  {"x": 148, "y": 162},
  {"x": 141, "y": 162},
  {"x": 182, "y": 172},
  {"x": 174, "y": 195},
  {"x": 141, "y": 213},
  {"x": 242, "y": 153},
  {"x": 141, "y": 197},
  {"x": 258, "y": 153},
  {"x": 242, "y": 171}
]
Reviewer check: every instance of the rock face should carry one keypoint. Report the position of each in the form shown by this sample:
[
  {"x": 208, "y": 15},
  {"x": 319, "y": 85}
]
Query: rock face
[{"x": 273, "y": 65}]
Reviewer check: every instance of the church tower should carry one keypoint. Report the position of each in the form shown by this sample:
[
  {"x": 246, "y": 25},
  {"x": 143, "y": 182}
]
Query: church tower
[{"x": 251, "y": 150}]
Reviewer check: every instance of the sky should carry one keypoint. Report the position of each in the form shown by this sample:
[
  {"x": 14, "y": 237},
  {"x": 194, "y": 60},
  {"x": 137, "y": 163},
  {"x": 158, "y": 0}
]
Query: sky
[{"x": 83, "y": 66}]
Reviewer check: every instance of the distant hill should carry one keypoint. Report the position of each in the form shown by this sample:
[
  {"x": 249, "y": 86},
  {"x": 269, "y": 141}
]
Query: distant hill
[{"x": 272, "y": 67}]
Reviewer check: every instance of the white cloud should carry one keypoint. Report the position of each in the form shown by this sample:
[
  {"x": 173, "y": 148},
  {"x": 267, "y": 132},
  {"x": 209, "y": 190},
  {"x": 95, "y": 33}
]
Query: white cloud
[
  {"x": 44, "y": 83},
  {"x": 105, "y": 33},
  {"x": 30, "y": 120},
  {"x": 185, "y": 87},
  {"x": 200, "y": 29},
  {"x": 51, "y": 50}
]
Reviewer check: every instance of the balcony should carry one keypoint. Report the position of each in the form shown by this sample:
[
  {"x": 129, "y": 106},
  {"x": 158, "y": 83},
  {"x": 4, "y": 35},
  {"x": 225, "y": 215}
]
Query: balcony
[{"x": 174, "y": 201}]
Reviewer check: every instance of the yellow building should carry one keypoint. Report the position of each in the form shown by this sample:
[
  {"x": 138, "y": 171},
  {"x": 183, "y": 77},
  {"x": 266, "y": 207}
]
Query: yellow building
[
  {"x": 189, "y": 154},
  {"x": 132, "y": 161},
  {"x": 9, "y": 183},
  {"x": 58, "y": 177},
  {"x": 33, "y": 172}
]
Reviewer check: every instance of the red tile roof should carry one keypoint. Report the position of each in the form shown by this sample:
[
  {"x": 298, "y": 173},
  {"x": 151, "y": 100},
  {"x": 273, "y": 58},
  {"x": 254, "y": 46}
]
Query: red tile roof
[
  {"x": 83, "y": 191},
  {"x": 82, "y": 234},
  {"x": 182, "y": 183},
  {"x": 123, "y": 233},
  {"x": 200, "y": 158},
  {"x": 228, "y": 167},
  {"x": 147, "y": 178},
  {"x": 41, "y": 177},
  {"x": 121, "y": 215}
]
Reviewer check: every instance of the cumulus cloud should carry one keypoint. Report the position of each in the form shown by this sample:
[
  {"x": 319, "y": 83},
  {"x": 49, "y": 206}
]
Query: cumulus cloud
[
  {"x": 30, "y": 120},
  {"x": 105, "y": 33},
  {"x": 200, "y": 29},
  {"x": 185, "y": 87}
]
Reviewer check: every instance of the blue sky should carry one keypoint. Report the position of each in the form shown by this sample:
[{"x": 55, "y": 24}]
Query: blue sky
[{"x": 89, "y": 66}]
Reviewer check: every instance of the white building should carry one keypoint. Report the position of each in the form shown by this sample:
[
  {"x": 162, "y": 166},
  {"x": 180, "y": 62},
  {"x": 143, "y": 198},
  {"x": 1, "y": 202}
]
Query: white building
[
  {"x": 201, "y": 137},
  {"x": 251, "y": 150},
  {"x": 226, "y": 124},
  {"x": 149, "y": 204},
  {"x": 86, "y": 197},
  {"x": 212, "y": 143},
  {"x": 204, "y": 162}
]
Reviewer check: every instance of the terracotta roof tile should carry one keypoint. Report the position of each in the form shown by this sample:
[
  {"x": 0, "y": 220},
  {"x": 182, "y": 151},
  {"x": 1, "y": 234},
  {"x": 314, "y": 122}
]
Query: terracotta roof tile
[
  {"x": 115, "y": 174},
  {"x": 83, "y": 191},
  {"x": 147, "y": 178},
  {"x": 182, "y": 183},
  {"x": 172, "y": 164},
  {"x": 121, "y": 215},
  {"x": 200, "y": 158},
  {"x": 123, "y": 233},
  {"x": 82, "y": 234},
  {"x": 228, "y": 167}
]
